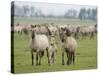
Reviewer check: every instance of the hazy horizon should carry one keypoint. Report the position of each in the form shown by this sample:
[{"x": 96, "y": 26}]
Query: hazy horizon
[{"x": 55, "y": 9}]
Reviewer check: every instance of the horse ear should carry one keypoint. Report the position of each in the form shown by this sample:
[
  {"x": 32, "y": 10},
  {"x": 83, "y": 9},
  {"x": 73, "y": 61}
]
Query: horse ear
[{"x": 32, "y": 26}]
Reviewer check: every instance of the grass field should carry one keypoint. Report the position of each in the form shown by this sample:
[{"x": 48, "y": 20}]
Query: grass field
[
  {"x": 86, "y": 56},
  {"x": 40, "y": 20}
]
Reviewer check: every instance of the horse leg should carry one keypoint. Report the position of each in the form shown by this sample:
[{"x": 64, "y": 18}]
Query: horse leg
[
  {"x": 41, "y": 55},
  {"x": 37, "y": 58},
  {"x": 47, "y": 55},
  {"x": 68, "y": 61},
  {"x": 73, "y": 55},
  {"x": 54, "y": 57},
  {"x": 62, "y": 58},
  {"x": 32, "y": 55},
  {"x": 92, "y": 35},
  {"x": 69, "y": 57},
  {"x": 40, "y": 58},
  {"x": 50, "y": 58}
]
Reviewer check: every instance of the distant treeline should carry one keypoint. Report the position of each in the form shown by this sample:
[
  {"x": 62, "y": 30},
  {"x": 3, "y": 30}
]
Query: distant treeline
[{"x": 27, "y": 11}]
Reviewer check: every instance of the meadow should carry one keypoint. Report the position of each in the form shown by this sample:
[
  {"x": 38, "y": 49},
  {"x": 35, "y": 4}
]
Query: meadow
[{"x": 86, "y": 54}]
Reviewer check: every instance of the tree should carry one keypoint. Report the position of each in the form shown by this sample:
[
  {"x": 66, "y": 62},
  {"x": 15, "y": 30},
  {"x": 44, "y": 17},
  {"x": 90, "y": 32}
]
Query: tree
[
  {"x": 94, "y": 14},
  {"x": 71, "y": 13},
  {"x": 39, "y": 13},
  {"x": 26, "y": 10},
  {"x": 89, "y": 13},
  {"x": 82, "y": 14},
  {"x": 16, "y": 10},
  {"x": 32, "y": 9}
]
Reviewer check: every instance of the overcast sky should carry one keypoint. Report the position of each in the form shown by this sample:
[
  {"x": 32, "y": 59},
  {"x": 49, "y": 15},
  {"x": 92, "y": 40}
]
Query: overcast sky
[{"x": 56, "y": 9}]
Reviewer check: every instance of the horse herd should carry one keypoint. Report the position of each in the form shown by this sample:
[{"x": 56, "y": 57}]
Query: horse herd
[{"x": 44, "y": 39}]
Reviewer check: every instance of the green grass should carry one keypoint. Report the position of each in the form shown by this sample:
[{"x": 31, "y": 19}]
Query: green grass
[
  {"x": 86, "y": 56},
  {"x": 40, "y": 20}
]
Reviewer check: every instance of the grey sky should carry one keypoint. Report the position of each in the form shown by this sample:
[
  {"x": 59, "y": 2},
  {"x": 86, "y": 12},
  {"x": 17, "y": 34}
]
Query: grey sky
[{"x": 56, "y": 9}]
